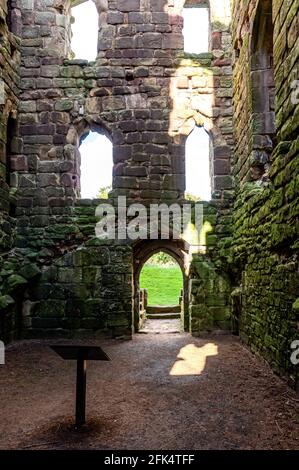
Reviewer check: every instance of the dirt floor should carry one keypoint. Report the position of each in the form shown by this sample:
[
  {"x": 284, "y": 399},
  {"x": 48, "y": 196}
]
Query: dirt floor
[{"x": 161, "y": 391}]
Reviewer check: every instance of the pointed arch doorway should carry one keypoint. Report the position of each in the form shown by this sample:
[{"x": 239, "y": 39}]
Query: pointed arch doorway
[{"x": 143, "y": 250}]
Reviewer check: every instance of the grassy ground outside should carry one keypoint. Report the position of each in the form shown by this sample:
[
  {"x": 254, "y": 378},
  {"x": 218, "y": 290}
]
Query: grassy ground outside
[{"x": 164, "y": 284}]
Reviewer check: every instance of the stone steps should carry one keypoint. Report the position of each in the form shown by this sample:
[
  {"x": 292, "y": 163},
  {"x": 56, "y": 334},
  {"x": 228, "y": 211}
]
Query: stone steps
[
  {"x": 158, "y": 309},
  {"x": 163, "y": 316}
]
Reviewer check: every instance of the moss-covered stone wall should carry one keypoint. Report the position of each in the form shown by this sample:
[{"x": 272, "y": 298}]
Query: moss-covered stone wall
[
  {"x": 210, "y": 282},
  {"x": 10, "y": 31},
  {"x": 69, "y": 286},
  {"x": 10, "y": 57},
  {"x": 265, "y": 223}
]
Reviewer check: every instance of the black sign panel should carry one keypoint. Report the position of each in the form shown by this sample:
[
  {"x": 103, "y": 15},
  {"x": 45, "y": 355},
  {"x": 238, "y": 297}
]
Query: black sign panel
[{"x": 87, "y": 353}]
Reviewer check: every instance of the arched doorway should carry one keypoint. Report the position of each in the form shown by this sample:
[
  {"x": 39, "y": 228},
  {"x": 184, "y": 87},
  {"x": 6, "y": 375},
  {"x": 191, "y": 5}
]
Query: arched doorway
[
  {"x": 162, "y": 278},
  {"x": 143, "y": 250}
]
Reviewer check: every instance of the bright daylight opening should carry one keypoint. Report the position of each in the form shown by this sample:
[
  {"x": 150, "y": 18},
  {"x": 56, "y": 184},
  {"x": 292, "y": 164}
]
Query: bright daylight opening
[
  {"x": 198, "y": 180},
  {"x": 85, "y": 31},
  {"x": 196, "y": 30},
  {"x": 162, "y": 277},
  {"x": 96, "y": 166}
]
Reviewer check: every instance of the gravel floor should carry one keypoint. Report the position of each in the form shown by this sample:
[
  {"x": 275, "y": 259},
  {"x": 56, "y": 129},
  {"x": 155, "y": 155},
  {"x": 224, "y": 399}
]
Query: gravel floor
[{"x": 161, "y": 391}]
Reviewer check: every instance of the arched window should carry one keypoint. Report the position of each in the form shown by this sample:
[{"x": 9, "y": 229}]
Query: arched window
[
  {"x": 263, "y": 90},
  {"x": 196, "y": 30},
  {"x": 85, "y": 31},
  {"x": 96, "y": 166},
  {"x": 197, "y": 157}
]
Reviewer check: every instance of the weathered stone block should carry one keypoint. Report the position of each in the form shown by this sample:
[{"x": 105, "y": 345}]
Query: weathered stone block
[
  {"x": 150, "y": 40},
  {"x": 129, "y": 5}
]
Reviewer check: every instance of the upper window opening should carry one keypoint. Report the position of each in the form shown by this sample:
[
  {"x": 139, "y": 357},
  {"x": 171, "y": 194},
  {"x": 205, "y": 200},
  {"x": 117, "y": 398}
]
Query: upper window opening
[
  {"x": 196, "y": 29},
  {"x": 198, "y": 181},
  {"x": 96, "y": 166},
  {"x": 85, "y": 31}
]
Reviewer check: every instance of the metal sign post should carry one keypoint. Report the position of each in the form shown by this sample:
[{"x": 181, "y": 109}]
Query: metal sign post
[
  {"x": 81, "y": 392},
  {"x": 81, "y": 354}
]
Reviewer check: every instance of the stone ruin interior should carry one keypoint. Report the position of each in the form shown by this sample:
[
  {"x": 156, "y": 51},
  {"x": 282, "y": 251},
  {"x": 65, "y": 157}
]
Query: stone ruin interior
[{"x": 146, "y": 94}]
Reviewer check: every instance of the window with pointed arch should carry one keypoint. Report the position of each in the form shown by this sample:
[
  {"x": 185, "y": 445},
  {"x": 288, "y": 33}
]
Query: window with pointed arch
[
  {"x": 197, "y": 165},
  {"x": 85, "y": 27},
  {"x": 196, "y": 31},
  {"x": 96, "y": 166}
]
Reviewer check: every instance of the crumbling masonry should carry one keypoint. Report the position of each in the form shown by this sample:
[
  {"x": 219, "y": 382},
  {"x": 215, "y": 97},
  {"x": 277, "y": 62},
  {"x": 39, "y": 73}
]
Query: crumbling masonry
[{"x": 146, "y": 95}]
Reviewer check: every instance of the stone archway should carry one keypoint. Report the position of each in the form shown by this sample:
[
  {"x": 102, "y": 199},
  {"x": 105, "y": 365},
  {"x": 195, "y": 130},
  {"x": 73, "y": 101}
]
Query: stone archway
[{"x": 145, "y": 249}]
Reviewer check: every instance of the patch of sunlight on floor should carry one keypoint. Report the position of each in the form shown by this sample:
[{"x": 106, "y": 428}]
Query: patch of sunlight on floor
[{"x": 192, "y": 359}]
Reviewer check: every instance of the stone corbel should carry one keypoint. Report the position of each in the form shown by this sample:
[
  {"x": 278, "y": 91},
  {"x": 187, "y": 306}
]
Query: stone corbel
[
  {"x": 102, "y": 7},
  {"x": 60, "y": 5}
]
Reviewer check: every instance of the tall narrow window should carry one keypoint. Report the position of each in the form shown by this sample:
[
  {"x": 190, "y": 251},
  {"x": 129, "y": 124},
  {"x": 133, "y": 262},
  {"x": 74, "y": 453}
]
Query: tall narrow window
[
  {"x": 196, "y": 28},
  {"x": 263, "y": 91},
  {"x": 85, "y": 31},
  {"x": 10, "y": 133},
  {"x": 198, "y": 181},
  {"x": 9, "y": 15},
  {"x": 96, "y": 166}
]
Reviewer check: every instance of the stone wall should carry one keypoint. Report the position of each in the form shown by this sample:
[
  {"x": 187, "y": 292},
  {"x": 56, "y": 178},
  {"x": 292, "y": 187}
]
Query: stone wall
[
  {"x": 86, "y": 292},
  {"x": 265, "y": 234},
  {"x": 146, "y": 95},
  {"x": 142, "y": 91},
  {"x": 10, "y": 30},
  {"x": 72, "y": 287},
  {"x": 210, "y": 274}
]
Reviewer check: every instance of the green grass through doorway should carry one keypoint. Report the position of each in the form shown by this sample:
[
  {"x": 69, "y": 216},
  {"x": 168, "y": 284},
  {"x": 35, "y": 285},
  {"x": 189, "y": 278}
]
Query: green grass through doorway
[{"x": 164, "y": 284}]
